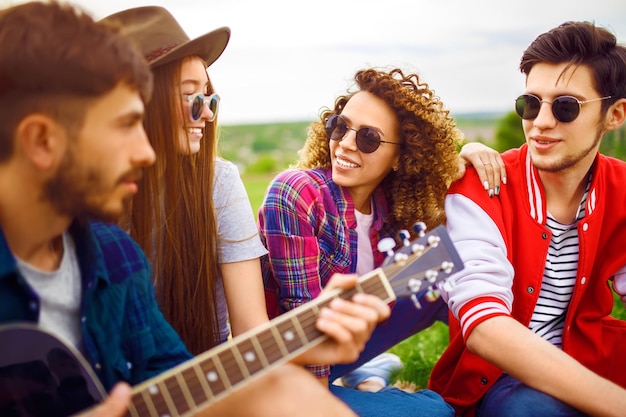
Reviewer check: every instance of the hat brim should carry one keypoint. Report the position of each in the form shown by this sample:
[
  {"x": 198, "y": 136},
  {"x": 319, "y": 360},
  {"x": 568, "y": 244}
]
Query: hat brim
[{"x": 209, "y": 47}]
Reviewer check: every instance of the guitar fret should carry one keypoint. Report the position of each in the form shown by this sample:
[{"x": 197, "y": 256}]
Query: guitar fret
[
  {"x": 165, "y": 405},
  {"x": 307, "y": 324},
  {"x": 175, "y": 389},
  {"x": 348, "y": 294},
  {"x": 212, "y": 376},
  {"x": 258, "y": 347},
  {"x": 137, "y": 406},
  {"x": 196, "y": 390},
  {"x": 203, "y": 384},
  {"x": 377, "y": 287},
  {"x": 248, "y": 358},
  {"x": 147, "y": 405},
  {"x": 278, "y": 338},
  {"x": 232, "y": 372}
]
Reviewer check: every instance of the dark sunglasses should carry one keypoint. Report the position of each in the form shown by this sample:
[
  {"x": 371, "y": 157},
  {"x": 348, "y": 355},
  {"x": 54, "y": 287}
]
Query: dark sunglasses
[
  {"x": 196, "y": 105},
  {"x": 564, "y": 108},
  {"x": 367, "y": 139}
]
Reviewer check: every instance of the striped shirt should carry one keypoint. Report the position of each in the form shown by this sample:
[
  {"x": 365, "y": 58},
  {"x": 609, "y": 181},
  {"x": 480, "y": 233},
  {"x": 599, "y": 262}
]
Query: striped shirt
[{"x": 559, "y": 277}]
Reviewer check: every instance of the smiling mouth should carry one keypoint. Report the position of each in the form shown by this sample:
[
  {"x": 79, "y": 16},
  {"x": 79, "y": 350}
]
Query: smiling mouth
[{"x": 344, "y": 163}]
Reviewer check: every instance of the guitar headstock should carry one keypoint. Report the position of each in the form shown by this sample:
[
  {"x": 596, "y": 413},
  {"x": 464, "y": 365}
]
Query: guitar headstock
[{"x": 421, "y": 265}]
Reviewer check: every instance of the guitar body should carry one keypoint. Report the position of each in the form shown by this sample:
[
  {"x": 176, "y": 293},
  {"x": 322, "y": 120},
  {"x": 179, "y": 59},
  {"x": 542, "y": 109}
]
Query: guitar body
[{"x": 41, "y": 375}]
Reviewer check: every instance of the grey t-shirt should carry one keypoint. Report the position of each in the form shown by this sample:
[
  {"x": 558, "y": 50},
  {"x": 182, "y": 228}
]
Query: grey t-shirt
[
  {"x": 238, "y": 235},
  {"x": 59, "y": 294}
]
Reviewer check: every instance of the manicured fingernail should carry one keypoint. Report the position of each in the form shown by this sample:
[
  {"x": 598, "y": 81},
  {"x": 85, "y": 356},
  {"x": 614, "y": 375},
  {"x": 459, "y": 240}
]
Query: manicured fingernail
[
  {"x": 497, "y": 190},
  {"x": 490, "y": 192},
  {"x": 503, "y": 180},
  {"x": 486, "y": 185}
]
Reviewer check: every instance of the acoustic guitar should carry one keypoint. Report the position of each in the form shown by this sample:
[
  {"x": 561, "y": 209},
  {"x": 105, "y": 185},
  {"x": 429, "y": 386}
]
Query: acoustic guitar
[{"x": 41, "y": 375}]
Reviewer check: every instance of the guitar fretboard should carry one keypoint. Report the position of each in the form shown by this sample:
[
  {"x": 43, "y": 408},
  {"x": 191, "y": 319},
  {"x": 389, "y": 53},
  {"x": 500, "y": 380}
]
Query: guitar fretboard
[{"x": 190, "y": 386}]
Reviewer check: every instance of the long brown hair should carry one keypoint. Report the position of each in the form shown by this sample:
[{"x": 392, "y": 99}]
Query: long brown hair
[
  {"x": 429, "y": 158},
  {"x": 173, "y": 217}
]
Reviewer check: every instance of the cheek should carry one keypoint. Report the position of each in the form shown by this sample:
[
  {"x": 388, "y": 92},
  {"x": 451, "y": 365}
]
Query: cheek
[
  {"x": 527, "y": 125},
  {"x": 180, "y": 117},
  {"x": 332, "y": 145}
]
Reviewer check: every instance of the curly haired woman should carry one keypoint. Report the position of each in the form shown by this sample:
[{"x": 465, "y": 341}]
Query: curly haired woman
[{"x": 379, "y": 162}]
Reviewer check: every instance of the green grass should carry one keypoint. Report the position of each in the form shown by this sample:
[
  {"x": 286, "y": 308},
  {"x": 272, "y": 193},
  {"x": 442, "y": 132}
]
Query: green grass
[{"x": 419, "y": 353}]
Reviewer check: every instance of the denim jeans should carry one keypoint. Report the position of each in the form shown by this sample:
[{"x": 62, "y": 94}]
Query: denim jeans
[
  {"x": 391, "y": 402},
  {"x": 405, "y": 321},
  {"x": 510, "y": 398}
]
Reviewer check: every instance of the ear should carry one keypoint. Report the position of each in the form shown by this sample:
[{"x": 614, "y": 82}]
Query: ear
[
  {"x": 616, "y": 114},
  {"x": 40, "y": 139},
  {"x": 396, "y": 163}
]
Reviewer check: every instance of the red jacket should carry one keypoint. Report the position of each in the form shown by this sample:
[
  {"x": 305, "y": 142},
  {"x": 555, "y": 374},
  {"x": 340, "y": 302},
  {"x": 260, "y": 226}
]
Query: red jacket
[{"x": 591, "y": 336}]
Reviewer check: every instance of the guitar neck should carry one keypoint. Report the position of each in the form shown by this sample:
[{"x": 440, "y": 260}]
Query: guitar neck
[{"x": 205, "y": 378}]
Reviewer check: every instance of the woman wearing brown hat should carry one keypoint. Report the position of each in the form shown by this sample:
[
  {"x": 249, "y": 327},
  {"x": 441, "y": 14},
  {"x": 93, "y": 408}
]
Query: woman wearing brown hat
[{"x": 192, "y": 216}]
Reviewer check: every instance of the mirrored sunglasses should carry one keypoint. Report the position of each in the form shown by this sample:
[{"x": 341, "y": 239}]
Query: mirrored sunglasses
[
  {"x": 564, "y": 108},
  {"x": 367, "y": 139},
  {"x": 197, "y": 102}
]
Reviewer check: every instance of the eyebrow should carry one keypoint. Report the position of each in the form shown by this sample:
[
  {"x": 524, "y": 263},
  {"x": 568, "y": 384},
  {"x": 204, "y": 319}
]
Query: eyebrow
[
  {"x": 195, "y": 83},
  {"x": 349, "y": 122}
]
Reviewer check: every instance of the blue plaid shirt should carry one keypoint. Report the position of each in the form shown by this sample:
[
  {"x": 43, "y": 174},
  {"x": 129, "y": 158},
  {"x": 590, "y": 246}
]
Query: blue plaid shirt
[{"x": 125, "y": 336}]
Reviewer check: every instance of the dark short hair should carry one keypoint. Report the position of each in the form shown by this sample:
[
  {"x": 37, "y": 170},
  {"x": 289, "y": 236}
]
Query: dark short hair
[
  {"x": 582, "y": 43},
  {"x": 54, "y": 55}
]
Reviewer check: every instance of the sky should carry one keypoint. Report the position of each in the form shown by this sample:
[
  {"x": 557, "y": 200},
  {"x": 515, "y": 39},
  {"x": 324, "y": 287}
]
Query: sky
[{"x": 287, "y": 59}]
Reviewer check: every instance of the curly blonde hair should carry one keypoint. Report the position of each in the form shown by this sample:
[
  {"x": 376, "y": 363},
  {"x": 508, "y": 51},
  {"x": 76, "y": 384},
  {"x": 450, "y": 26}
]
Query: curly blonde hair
[{"x": 429, "y": 159}]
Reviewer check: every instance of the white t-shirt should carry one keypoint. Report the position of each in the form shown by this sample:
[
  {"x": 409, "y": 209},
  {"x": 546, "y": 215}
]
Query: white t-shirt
[{"x": 365, "y": 255}]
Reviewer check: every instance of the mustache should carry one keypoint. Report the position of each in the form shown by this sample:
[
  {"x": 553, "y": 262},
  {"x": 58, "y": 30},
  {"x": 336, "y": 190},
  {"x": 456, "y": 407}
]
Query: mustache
[{"x": 133, "y": 175}]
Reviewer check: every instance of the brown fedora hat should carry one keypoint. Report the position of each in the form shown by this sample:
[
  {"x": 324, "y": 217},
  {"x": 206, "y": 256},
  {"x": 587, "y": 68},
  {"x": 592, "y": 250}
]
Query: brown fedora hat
[{"x": 163, "y": 40}]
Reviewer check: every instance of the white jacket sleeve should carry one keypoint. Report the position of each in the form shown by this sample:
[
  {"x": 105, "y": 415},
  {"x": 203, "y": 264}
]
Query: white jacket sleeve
[{"x": 487, "y": 271}]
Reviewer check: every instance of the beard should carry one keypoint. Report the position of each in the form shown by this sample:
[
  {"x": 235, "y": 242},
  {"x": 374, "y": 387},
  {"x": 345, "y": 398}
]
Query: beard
[
  {"x": 570, "y": 160},
  {"x": 78, "y": 191}
]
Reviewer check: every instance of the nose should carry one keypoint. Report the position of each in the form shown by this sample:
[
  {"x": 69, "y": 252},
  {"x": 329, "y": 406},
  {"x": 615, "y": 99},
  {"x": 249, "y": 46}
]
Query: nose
[
  {"x": 144, "y": 154},
  {"x": 545, "y": 117},
  {"x": 349, "y": 139},
  {"x": 207, "y": 114}
]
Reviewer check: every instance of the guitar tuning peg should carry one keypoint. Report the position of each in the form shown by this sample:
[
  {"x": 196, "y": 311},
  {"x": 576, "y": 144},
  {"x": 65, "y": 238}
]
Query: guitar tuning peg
[
  {"x": 416, "y": 302},
  {"x": 405, "y": 237},
  {"x": 432, "y": 295},
  {"x": 433, "y": 240},
  {"x": 419, "y": 228},
  {"x": 431, "y": 275},
  {"x": 386, "y": 245}
]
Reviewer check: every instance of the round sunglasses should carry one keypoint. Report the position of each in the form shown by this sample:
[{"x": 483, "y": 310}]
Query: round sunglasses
[
  {"x": 196, "y": 105},
  {"x": 564, "y": 108},
  {"x": 367, "y": 139}
]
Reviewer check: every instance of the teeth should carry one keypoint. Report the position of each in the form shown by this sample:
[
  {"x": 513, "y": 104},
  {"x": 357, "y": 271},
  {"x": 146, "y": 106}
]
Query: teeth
[
  {"x": 195, "y": 130},
  {"x": 345, "y": 164}
]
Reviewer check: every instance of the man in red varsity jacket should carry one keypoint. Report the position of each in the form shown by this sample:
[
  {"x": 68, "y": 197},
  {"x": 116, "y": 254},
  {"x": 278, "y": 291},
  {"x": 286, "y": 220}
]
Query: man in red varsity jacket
[{"x": 531, "y": 332}]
